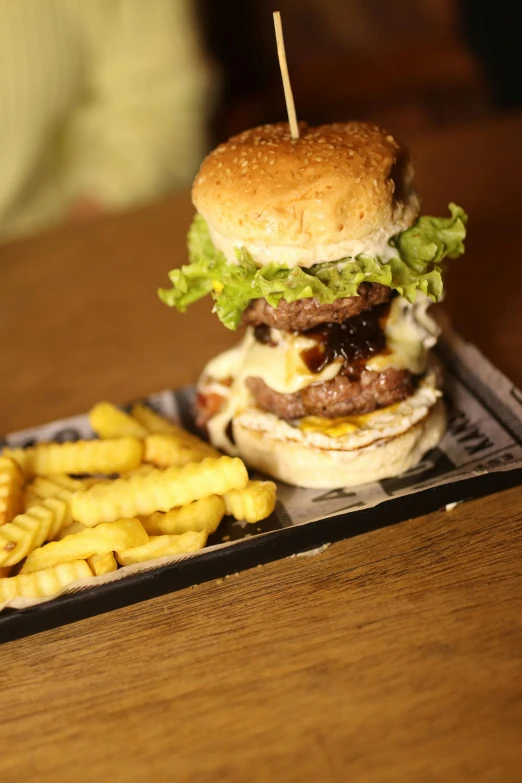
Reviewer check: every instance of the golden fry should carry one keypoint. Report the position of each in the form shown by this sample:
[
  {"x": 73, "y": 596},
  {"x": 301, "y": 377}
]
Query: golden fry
[
  {"x": 164, "y": 452},
  {"x": 108, "y": 421},
  {"x": 11, "y": 484},
  {"x": 162, "y": 546},
  {"x": 22, "y": 458},
  {"x": 103, "y": 564},
  {"x": 44, "y": 487},
  {"x": 159, "y": 491},
  {"x": 123, "y": 534},
  {"x": 52, "y": 486},
  {"x": 84, "y": 456},
  {"x": 29, "y": 530},
  {"x": 30, "y": 498},
  {"x": 152, "y": 421},
  {"x": 253, "y": 503},
  {"x": 69, "y": 530},
  {"x": 167, "y": 451},
  {"x": 204, "y": 514},
  {"x": 143, "y": 470},
  {"x": 43, "y": 584}
]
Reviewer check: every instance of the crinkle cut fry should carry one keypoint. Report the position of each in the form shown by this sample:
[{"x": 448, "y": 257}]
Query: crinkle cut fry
[
  {"x": 204, "y": 514},
  {"x": 45, "y": 488},
  {"x": 159, "y": 491},
  {"x": 170, "y": 450},
  {"x": 164, "y": 546},
  {"x": 253, "y": 503},
  {"x": 11, "y": 486},
  {"x": 99, "y": 540},
  {"x": 152, "y": 421},
  {"x": 108, "y": 421},
  {"x": 43, "y": 584},
  {"x": 103, "y": 564},
  {"x": 82, "y": 456},
  {"x": 29, "y": 530},
  {"x": 52, "y": 486}
]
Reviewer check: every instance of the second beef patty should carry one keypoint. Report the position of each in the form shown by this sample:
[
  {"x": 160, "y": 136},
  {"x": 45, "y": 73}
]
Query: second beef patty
[{"x": 342, "y": 396}]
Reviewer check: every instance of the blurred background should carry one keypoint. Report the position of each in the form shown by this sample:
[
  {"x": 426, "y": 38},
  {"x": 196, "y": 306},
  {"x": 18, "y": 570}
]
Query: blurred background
[
  {"x": 407, "y": 64},
  {"x": 108, "y": 104}
]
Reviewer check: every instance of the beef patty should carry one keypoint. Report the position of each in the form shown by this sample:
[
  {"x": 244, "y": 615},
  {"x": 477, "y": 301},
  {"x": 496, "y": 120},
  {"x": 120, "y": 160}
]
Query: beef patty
[
  {"x": 343, "y": 396},
  {"x": 307, "y": 313}
]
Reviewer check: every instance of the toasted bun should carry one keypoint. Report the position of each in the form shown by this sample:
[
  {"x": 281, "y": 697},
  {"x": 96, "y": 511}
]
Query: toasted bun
[
  {"x": 334, "y": 186},
  {"x": 304, "y": 465}
]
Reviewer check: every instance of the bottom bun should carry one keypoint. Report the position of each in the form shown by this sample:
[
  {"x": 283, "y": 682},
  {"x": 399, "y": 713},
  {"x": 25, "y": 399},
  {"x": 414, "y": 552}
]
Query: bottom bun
[{"x": 306, "y": 465}]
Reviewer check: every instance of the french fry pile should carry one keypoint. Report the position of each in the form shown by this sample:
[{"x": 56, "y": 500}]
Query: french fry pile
[{"x": 64, "y": 516}]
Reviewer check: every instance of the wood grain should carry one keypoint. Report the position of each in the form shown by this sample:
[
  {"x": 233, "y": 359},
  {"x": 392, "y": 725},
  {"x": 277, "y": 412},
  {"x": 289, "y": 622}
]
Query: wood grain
[{"x": 394, "y": 656}]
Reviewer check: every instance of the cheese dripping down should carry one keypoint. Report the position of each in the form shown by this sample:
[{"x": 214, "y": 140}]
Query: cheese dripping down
[{"x": 409, "y": 331}]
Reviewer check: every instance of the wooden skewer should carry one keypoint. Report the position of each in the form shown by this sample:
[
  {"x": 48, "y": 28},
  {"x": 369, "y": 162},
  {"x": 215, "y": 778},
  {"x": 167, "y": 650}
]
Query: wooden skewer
[{"x": 289, "y": 98}]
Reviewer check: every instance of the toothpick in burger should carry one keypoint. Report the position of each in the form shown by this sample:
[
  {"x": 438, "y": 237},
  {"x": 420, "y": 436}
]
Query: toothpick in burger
[{"x": 315, "y": 246}]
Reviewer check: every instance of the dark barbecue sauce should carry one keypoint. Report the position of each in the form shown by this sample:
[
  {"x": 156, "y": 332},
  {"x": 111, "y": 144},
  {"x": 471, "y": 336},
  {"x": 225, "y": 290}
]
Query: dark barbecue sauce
[
  {"x": 262, "y": 333},
  {"x": 229, "y": 432},
  {"x": 355, "y": 340}
]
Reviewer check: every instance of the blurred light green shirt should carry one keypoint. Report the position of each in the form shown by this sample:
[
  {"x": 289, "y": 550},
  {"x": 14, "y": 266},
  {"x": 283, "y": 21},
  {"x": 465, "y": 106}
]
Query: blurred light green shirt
[{"x": 99, "y": 99}]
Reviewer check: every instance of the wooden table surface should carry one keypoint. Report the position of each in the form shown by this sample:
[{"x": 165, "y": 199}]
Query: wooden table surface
[{"x": 395, "y": 656}]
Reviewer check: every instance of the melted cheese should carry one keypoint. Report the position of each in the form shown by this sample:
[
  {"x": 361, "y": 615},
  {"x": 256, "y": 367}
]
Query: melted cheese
[
  {"x": 410, "y": 333},
  {"x": 343, "y": 425},
  {"x": 280, "y": 366}
]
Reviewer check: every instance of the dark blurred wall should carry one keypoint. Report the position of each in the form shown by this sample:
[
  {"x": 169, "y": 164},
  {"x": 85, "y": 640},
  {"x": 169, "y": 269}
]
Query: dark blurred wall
[
  {"x": 493, "y": 29},
  {"x": 404, "y": 63}
]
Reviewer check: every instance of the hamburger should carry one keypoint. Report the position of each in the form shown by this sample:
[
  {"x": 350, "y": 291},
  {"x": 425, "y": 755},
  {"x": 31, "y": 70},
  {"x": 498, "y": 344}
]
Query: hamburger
[{"x": 316, "y": 248}]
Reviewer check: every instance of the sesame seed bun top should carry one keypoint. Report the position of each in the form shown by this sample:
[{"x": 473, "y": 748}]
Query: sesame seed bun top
[{"x": 328, "y": 194}]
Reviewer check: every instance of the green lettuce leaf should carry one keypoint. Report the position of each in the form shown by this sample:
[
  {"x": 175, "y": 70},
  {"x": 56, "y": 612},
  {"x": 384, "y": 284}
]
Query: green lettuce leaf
[{"x": 420, "y": 250}]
